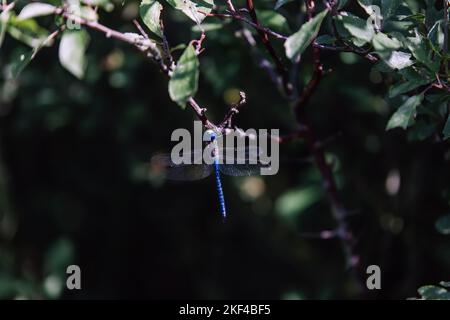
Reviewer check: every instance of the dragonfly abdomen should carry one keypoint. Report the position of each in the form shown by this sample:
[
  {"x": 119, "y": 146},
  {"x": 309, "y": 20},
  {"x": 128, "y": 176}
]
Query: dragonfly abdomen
[{"x": 223, "y": 211}]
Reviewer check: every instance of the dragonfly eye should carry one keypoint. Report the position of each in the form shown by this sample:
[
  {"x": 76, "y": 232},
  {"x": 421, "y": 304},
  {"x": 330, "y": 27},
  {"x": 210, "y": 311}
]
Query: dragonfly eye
[{"x": 209, "y": 135}]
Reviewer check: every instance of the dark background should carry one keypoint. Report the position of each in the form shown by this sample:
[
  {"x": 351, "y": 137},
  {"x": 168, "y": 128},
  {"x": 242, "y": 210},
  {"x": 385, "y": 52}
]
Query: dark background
[{"x": 75, "y": 187}]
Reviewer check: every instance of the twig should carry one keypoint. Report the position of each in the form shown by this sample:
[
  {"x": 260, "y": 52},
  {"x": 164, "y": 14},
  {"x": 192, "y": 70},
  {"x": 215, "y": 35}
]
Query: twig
[
  {"x": 235, "y": 15},
  {"x": 282, "y": 71},
  {"x": 234, "y": 109}
]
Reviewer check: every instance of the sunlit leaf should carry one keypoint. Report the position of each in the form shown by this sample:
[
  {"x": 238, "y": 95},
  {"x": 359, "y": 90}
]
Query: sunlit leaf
[
  {"x": 36, "y": 9},
  {"x": 194, "y": 9},
  {"x": 357, "y": 27},
  {"x": 404, "y": 116},
  {"x": 184, "y": 81},
  {"x": 72, "y": 52},
  {"x": 150, "y": 11},
  {"x": 299, "y": 41}
]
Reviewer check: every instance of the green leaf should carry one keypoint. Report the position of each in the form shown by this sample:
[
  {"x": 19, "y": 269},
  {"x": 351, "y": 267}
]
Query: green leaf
[
  {"x": 20, "y": 62},
  {"x": 299, "y": 41},
  {"x": 436, "y": 36},
  {"x": 184, "y": 81},
  {"x": 325, "y": 39},
  {"x": 72, "y": 52},
  {"x": 374, "y": 12},
  {"x": 433, "y": 293},
  {"x": 150, "y": 11},
  {"x": 191, "y": 8},
  {"x": 281, "y": 3},
  {"x": 273, "y": 20},
  {"x": 418, "y": 47},
  {"x": 357, "y": 27},
  {"x": 404, "y": 116},
  {"x": 36, "y": 9},
  {"x": 382, "y": 42},
  {"x": 443, "y": 224},
  {"x": 446, "y": 131},
  {"x": 386, "y": 47}
]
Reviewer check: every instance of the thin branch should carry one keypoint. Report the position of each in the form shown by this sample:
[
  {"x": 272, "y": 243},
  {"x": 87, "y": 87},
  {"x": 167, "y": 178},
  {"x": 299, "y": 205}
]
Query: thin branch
[
  {"x": 234, "y": 109},
  {"x": 235, "y": 15},
  {"x": 282, "y": 71}
]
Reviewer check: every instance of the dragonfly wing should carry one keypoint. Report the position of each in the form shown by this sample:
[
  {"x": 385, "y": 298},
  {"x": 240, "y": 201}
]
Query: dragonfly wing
[
  {"x": 238, "y": 170},
  {"x": 188, "y": 172},
  {"x": 181, "y": 172}
]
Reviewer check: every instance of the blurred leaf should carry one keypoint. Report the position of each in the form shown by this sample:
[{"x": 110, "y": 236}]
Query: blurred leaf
[
  {"x": 446, "y": 131},
  {"x": 404, "y": 116},
  {"x": 443, "y": 224},
  {"x": 211, "y": 26},
  {"x": 20, "y": 62},
  {"x": 59, "y": 256},
  {"x": 72, "y": 52},
  {"x": 445, "y": 284},
  {"x": 388, "y": 8},
  {"x": 296, "y": 201},
  {"x": 342, "y": 4},
  {"x": 150, "y": 11},
  {"x": 191, "y": 8},
  {"x": 27, "y": 31},
  {"x": 105, "y": 4},
  {"x": 184, "y": 81},
  {"x": 36, "y": 9},
  {"x": 325, "y": 39},
  {"x": 407, "y": 86},
  {"x": 281, "y": 3},
  {"x": 273, "y": 20},
  {"x": 299, "y": 41}
]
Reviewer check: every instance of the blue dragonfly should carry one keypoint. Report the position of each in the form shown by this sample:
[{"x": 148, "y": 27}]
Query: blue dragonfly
[{"x": 229, "y": 161}]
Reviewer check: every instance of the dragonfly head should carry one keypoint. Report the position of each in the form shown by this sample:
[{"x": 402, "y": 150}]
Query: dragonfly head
[{"x": 209, "y": 135}]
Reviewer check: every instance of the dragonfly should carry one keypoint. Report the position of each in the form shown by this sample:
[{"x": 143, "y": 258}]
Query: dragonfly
[{"x": 227, "y": 161}]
